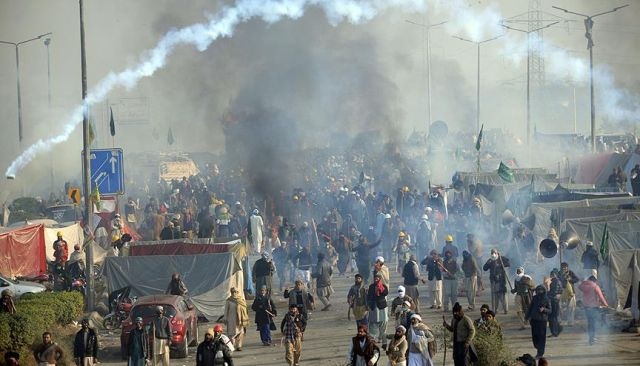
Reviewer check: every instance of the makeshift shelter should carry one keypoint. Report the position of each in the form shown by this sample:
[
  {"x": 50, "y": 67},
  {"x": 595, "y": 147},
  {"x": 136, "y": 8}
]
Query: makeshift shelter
[
  {"x": 23, "y": 252},
  {"x": 548, "y": 215},
  {"x": 595, "y": 169},
  {"x": 208, "y": 277},
  {"x": 624, "y": 273}
]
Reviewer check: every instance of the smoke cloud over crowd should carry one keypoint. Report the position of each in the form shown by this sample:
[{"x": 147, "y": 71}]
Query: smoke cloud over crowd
[{"x": 297, "y": 74}]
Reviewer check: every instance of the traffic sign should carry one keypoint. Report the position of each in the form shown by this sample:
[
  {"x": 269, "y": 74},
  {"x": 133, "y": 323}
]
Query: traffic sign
[
  {"x": 107, "y": 171},
  {"x": 74, "y": 195}
]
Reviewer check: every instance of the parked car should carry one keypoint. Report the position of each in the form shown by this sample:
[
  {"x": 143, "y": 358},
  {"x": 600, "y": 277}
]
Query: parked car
[
  {"x": 181, "y": 313},
  {"x": 19, "y": 288}
]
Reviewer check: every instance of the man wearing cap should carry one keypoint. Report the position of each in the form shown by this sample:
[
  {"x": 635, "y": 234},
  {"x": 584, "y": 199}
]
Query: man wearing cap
[
  {"x": 60, "y": 249},
  {"x": 411, "y": 278},
  {"x": 138, "y": 345},
  {"x": 255, "y": 230},
  {"x": 590, "y": 261},
  {"x": 434, "y": 275},
  {"x": 450, "y": 281},
  {"x": 398, "y": 302},
  {"x": 85, "y": 345},
  {"x": 419, "y": 336},
  {"x": 523, "y": 287},
  {"x": 357, "y": 300},
  {"x": 322, "y": 276},
  {"x": 448, "y": 245},
  {"x": 262, "y": 272},
  {"x": 397, "y": 349},
  {"x": 363, "y": 350},
  {"x": 213, "y": 351},
  {"x": 300, "y": 297},
  {"x": 377, "y": 303},
  {"x": 379, "y": 267},
  {"x": 161, "y": 337},
  {"x": 463, "y": 333},
  {"x": 538, "y": 315}
]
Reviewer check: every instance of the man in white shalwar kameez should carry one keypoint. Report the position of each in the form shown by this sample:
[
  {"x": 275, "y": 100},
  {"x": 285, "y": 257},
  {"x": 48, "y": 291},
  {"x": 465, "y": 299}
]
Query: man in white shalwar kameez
[
  {"x": 419, "y": 335},
  {"x": 256, "y": 231}
]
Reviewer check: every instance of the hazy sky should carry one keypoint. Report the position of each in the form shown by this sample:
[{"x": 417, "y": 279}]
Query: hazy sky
[{"x": 327, "y": 78}]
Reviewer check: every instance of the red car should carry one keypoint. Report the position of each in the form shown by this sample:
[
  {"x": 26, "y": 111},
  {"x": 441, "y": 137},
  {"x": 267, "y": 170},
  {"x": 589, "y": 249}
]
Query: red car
[{"x": 182, "y": 316}]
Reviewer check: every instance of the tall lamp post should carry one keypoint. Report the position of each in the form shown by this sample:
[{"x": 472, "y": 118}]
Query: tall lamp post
[
  {"x": 529, "y": 71},
  {"x": 588, "y": 24},
  {"x": 17, "y": 45},
  {"x": 86, "y": 164},
  {"x": 428, "y": 30},
  {"x": 478, "y": 43},
  {"x": 47, "y": 42}
]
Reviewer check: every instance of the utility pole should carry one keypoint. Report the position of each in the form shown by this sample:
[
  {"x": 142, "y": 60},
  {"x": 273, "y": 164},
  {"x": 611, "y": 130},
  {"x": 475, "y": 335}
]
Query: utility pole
[
  {"x": 86, "y": 179},
  {"x": 588, "y": 24},
  {"x": 428, "y": 27},
  {"x": 478, "y": 43},
  {"x": 17, "y": 45},
  {"x": 528, "y": 32},
  {"x": 47, "y": 42}
]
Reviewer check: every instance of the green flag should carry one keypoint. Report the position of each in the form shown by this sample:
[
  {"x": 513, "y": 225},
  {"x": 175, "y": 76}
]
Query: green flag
[
  {"x": 505, "y": 173},
  {"x": 112, "y": 124},
  {"x": 604, "y": 244},
  {"x": 92, "y": 133},
  {"x": 170, "y": 138},
  {"x": 479, "y": 140}
]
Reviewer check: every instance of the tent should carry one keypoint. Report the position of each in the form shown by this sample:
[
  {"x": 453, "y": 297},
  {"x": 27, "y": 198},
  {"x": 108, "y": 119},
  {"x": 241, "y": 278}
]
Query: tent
[
  {"x": 208, "y": 277},
  {"x": 23, "y": 252},
  {"x": 624, "y": 271},
  {"x": 548, "y": 215}
]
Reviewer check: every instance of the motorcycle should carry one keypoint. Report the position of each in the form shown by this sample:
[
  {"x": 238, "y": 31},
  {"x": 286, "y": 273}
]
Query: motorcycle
[{"x": 120, "y": 309}]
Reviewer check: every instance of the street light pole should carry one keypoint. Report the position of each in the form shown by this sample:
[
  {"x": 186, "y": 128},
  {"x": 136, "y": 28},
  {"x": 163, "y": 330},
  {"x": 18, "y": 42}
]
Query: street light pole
[
  {"x": 529, "y": 72},
  {"x": 428, "y": 29},
  {"x": 588, "y": 23},
  {"x": 478, "y": 43},
  {"x": 86, "y": 162},
  {"x": 47, "y": 42},
  {"x": 17, "y": 48}
]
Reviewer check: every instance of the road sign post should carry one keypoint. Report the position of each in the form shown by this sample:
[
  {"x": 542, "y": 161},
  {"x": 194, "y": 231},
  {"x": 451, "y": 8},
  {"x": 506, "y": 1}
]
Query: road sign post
[{"x": 107, "y": 171}]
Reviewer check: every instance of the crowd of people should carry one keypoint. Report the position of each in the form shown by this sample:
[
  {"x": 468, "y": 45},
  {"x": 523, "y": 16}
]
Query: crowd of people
[{"x": 346, "y": 215}]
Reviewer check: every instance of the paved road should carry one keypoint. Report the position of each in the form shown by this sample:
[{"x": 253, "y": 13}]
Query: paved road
[{"x": 328, "y": 335}]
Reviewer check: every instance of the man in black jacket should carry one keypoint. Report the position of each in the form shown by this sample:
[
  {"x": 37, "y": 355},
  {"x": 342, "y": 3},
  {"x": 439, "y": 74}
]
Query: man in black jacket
[
  {"x": 497, "y": 274},
  {"x": 590, "y": 261},
  {"x": 537, "y": 315},
  {"x": 85, "y": 345},
  {"x": 213, "y": 351}
]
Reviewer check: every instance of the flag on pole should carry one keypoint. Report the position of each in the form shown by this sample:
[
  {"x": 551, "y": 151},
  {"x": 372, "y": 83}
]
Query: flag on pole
[
  {"x": 479, "y": 139},
  {"x": 170, "y": 138},
  {"x": 604, "y": 243},
  {"x": 112, "y": 123},
  {"x": 505, "y": 173},
  {"x": 92, "y": 133}
]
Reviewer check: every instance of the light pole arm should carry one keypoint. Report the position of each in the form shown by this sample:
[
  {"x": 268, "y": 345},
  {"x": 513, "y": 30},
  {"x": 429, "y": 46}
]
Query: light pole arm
[{"x": 33, "y": 39}]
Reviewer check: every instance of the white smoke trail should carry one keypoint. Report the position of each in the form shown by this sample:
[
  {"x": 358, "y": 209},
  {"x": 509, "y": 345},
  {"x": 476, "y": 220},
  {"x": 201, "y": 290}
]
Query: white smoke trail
[
  {"x": 464, "y": 20},
  {"x": 201, "y": 35}
]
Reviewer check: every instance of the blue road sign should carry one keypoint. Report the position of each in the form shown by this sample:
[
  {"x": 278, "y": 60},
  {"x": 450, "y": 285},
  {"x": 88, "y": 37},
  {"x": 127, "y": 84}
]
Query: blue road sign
[{"x": 107, "y": 171}]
